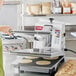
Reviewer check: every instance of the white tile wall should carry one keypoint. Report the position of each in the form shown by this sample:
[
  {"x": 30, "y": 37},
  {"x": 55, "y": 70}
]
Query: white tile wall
[{"x": 8, "y": 15}]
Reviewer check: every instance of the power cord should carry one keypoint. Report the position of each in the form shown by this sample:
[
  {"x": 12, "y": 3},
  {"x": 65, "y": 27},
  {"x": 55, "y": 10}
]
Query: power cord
[{"x": 70, "y": 50}]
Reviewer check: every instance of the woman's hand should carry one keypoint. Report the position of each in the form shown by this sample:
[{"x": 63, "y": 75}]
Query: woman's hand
[{"x": 6, "y": 29}]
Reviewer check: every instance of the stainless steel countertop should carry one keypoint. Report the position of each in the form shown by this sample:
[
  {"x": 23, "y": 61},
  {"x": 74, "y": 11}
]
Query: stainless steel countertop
[{"x": 9, "y": 59}]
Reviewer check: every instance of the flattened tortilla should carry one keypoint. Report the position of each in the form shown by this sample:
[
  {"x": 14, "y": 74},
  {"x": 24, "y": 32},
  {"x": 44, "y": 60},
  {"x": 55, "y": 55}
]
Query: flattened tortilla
[
  {"x": 43, "y": 62},
  {"x": 26, "y": 61}
]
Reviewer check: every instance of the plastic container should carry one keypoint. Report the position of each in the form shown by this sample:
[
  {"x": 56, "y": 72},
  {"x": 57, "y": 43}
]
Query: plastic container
[{"x": 73, "y": 6}]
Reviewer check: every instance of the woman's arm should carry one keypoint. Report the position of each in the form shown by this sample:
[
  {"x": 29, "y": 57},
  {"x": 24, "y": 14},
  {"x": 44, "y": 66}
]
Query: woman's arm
[
  {"x": 1, "y": 2},
  {"x": 5, "y": 29}
]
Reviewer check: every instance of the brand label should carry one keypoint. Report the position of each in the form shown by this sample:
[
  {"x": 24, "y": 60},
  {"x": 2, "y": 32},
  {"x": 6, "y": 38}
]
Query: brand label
[{"x": 38, "y": 27}]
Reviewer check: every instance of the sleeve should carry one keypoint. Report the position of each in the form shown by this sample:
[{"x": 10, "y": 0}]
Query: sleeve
[{"x": 1, "y": 59}]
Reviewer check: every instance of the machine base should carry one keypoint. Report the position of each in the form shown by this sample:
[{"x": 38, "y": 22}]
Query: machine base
[{"x": 49, "y": 69}]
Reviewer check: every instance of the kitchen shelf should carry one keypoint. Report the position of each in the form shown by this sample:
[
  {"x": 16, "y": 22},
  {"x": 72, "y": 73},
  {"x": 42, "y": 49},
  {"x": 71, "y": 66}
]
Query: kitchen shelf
[
  {"x": 49, "y": 15},
  {"x": 13, "y": 2}
]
